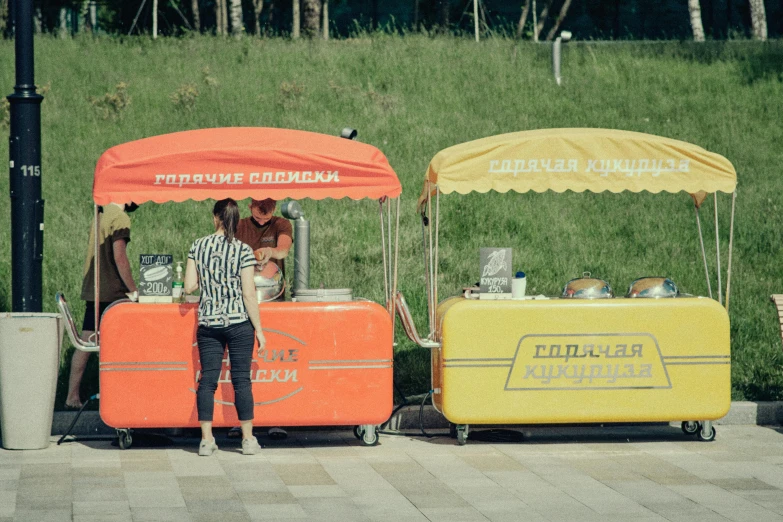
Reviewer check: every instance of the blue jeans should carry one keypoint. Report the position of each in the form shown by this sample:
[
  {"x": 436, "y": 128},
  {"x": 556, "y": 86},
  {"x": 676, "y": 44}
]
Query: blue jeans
[{"x": 212, "y": 342}]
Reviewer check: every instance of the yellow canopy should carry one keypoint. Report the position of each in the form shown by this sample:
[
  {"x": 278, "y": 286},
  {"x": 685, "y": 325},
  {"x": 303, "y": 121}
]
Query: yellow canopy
[{"x": 578, "y": 159}]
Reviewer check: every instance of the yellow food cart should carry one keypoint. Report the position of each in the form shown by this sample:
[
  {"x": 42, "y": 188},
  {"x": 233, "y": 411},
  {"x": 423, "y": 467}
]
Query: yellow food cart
[{"x": 565, "y": 360}]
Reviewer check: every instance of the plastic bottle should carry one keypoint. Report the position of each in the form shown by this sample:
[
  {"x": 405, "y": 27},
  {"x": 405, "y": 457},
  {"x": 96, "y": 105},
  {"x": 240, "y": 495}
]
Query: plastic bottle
[{"x": 178, "y": 285}]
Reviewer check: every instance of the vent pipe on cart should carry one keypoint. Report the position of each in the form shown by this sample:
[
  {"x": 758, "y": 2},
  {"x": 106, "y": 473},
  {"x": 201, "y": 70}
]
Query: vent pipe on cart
[{"x": 293, "y": 211}]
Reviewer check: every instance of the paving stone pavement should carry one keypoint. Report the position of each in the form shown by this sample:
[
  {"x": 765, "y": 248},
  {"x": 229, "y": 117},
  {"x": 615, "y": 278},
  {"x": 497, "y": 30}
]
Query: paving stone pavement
[{"x": 632, "y": 473}]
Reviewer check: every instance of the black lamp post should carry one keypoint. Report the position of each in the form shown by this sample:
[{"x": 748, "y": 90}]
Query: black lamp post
[{"x": 27, "y": 207}]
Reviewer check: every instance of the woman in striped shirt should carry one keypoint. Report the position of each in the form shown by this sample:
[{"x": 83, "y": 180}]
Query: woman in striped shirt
[{"x": 222, "y": 266}]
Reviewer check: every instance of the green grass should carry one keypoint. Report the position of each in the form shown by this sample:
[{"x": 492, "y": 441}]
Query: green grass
[{"x": 411, "y": 97}]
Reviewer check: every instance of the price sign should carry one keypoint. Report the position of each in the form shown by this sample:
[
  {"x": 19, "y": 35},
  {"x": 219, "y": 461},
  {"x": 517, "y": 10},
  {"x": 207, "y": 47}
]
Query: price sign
[
  {"x": 495, "y": 273},
  {"x": 155, "y": 275}
]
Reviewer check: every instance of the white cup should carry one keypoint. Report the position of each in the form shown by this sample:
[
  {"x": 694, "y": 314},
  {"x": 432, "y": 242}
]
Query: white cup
[{"x": 518, "y": 286}]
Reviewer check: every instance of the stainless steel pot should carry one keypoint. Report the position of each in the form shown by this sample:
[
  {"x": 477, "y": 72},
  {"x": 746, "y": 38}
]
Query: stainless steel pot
[
  {"x": 587, "y": 287},
  {"x": 653, "y": 287}
]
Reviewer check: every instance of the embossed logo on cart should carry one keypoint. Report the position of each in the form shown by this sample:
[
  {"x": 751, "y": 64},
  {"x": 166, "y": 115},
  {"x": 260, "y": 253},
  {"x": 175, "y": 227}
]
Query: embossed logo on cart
[
  {"x": 587, "y": 361},
  {"x": 274, "y": 373}
]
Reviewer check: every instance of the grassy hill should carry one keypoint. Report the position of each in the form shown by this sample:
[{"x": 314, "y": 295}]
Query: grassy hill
[{"x": 411, "y": 97}]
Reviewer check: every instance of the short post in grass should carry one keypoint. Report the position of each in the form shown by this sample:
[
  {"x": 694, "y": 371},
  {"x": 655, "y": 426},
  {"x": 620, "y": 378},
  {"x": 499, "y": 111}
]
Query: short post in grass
[
  {"x": 556, "y": 50},
  {"x": 27, "y": 207}
]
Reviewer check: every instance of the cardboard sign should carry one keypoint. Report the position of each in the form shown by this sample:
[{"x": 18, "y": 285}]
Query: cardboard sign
[
  {"x": 155, "y": 276},
  {"x": 495, "y": 273}
]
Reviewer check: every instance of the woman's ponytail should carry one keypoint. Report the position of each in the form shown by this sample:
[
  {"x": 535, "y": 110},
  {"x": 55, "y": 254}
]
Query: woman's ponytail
[{"x": 227, "y": 212}]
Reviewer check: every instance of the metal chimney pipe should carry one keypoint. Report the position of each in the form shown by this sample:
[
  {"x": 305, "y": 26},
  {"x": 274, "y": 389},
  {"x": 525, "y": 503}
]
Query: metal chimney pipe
[
  {"x": 27, "y": 207},
  {"x": 293, "y": 211}
]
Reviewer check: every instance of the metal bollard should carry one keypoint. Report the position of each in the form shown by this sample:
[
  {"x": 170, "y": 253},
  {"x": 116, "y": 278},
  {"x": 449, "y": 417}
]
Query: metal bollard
[{"x": 556, "y": 51}]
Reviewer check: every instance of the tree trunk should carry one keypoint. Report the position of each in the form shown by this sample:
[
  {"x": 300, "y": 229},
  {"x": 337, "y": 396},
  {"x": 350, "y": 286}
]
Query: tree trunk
[
  {"x": 93, "y": 14},
  {"x": 154, "y": 19},
  {"x": 196, "y": 15},
  {"x": 223, "y": 17},
  {"x": 325, "y": 16},
  {"x": 63, "y": 32},
  {"x": 560, "y": 17},
  {"x": 523, "y": 19},
  {"x": 295, "y": 32},
  {"x": 758, "y": 19},
  {"x": 541, "y": 20},
  {"x": 258, "y": 7},
  {"x": 698, "y": 29},
  {"x": 312, "y": 17},
  {"x": 85, "y": 10},
  {"x": 4, "y": 17},
  {"x": 237, "y": 26},
  {"x": 37, "y": 21},
  {"x": 444, "y": 14}
]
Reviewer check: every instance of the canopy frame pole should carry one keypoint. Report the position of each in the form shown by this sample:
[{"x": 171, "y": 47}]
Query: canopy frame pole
[
  {"x": 431, "y": 268},
  {"x": 731, "y": 248},
  {"x": 96, "y": 263},
  {"x": 396, "y": 261},
  {"x": 389, "y": 243},
  {"x": 703, "y": 252},
  {"x": 717, "y": 247},
  {"x": 437, "y": 235},
  {"x": 383, "y": 255},
  {"x": 426, "y": 268}
]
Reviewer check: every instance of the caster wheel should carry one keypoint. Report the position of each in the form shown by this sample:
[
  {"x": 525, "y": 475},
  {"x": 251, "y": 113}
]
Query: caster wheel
[
  {"x": 690, "y": 427},
  {"x": 462, "y": 434},
  {"x": 706, "y": 437},
  {"x": 124, "y": 439},
  {"x": 452, "y": 430},
  {"x": 370, "y": 436},
  {"x": 358, "y": 431}
]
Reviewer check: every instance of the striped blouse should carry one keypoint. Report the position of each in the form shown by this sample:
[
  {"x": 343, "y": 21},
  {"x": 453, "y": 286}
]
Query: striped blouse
[{"x": 219, "y": 263}]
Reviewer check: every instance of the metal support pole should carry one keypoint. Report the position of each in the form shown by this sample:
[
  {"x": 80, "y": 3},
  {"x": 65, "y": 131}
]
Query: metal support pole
[
  {"x": 717, "y": 248},
  {"x": 27, "y": 207},
  {"x": 731, "y": 248},
  {"x": 703, "y": 253},
  {"x": 96, "y": 269},
  {"x": 556, "y": 51}
]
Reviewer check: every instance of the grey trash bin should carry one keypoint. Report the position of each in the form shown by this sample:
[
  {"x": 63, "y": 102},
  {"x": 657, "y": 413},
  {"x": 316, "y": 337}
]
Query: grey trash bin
[{"x": 29, "y": 362}]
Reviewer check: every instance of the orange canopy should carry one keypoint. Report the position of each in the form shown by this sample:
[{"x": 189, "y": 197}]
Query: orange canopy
[{"x": 239, "y": 163}]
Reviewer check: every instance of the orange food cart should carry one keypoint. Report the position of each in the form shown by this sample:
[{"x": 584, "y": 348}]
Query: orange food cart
[
  {"x": 325, "y": 363},
  {"x": 565, "y": 360}
]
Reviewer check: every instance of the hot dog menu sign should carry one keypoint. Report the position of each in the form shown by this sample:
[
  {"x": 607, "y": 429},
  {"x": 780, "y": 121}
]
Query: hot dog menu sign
[{"x": 155, "y": 275}]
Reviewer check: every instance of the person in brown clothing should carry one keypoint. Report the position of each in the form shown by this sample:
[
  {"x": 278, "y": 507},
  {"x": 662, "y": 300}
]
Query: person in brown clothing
[
  {"x": 116, "y": 281},
  {"x": 268, "y": 235}
]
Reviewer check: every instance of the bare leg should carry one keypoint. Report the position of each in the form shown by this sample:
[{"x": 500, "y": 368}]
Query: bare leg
[
  {"x": 247, "y": 429},
  {"x": 206, "y": 430},
  {"x": 78, "y": 364}
]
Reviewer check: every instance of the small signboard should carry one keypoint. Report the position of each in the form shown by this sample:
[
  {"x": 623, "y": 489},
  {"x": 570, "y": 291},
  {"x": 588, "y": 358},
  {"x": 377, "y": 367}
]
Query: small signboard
[
  {"x": 495, "y": 273},
  {"x": 155, "y": 276}
]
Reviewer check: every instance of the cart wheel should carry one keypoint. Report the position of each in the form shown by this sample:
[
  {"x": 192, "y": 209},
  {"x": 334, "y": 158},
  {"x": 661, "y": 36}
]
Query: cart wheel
[
  {"x": 369, "y": 435},
  {"x": 706, "y": 437},
  {"x": 462, "y": 434},
  {"x": 452, "y": 430},
  {"x": 358, "y": 431},
  {"x": 124, "y": 438},
  {"x": 690, "y": 427}
]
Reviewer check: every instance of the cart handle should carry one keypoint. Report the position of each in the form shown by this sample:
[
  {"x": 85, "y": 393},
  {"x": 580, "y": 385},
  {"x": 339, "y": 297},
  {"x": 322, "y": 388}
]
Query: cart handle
[
  {"x": 409, "y": 326},
  {"x": 70, "y": 327}
]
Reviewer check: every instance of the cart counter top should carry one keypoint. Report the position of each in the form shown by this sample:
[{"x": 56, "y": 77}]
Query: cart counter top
[
  {"x": 574, "y": 360},
  {"x": 323, "y": 364}
]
